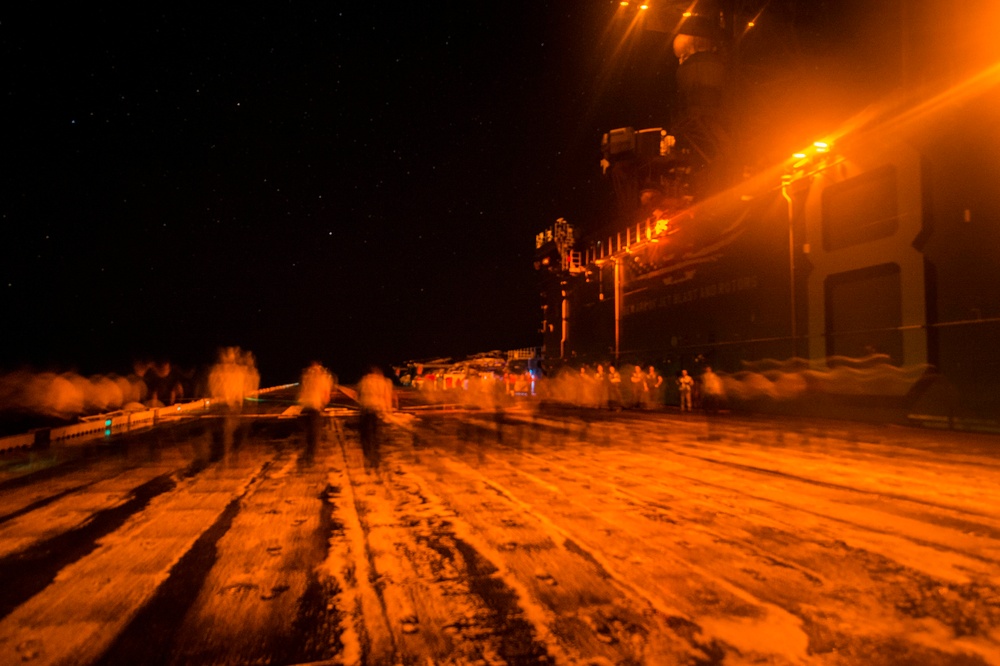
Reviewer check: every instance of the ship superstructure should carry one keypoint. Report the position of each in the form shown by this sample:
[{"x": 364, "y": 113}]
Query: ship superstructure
[{"x": 861, "y": 264}]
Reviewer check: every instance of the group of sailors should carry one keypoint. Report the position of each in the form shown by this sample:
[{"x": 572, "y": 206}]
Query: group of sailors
[
  {"x": 602, "y": 386},
  {"x": 234, "y": 378},
  {"x": 606, "y": 386}
]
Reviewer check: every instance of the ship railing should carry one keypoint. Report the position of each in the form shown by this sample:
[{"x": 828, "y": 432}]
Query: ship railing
[
  {"x": 525, "y": 353},
  {"x": 113, "y": 423}
]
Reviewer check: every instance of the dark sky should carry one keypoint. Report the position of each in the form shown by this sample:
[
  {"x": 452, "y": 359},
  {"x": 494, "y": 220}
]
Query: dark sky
[
  {"x": 347, "y": 182},
  {"x": 337, "y": 181}
]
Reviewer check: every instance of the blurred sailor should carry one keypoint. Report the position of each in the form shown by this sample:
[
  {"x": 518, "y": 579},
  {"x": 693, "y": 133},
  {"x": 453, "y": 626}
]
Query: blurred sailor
[
  {"x": 614, "y": 389},
  {"x": 315, "y": 390},
  {"x": 375, "y": 398},
  {"x": 232, "y": 379},
  {"x": 654, "y": 388},
  {"x": 712, "y": 391}
]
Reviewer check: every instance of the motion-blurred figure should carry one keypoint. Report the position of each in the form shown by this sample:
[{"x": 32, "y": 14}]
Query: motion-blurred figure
[
  {"x": 315, "y": 390},
  {"x": 232, "y": 379},
  {"x": 654, "y": 389},
  {"x": 614, "y": 389},
  {"x": 640, "y": 390},
  {"x": 67, "y": 395},
  {"x": 589, "y": 389},
  {"x": 600, "y": 386},
  {"x": 375, "y": 398},
  {"x": 712, "y": 391},
  {"x": 163, "y": 382}
]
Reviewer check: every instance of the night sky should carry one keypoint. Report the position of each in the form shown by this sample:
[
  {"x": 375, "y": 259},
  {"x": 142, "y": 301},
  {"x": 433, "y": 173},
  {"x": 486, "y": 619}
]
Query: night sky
[{"x": 349, "y": 183}]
